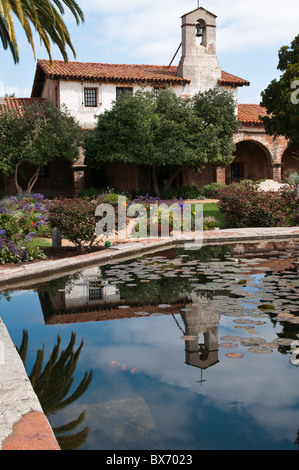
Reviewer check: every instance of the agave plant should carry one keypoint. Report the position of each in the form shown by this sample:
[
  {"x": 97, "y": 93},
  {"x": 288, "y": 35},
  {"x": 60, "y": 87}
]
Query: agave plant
[{"x": 42, "y": 16}]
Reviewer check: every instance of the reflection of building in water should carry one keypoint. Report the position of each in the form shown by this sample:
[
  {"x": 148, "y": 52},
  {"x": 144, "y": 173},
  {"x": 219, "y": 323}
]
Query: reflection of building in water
[
  {"x": 89, "y": 290},
  {"x": 200, "y": 320},
  {"x": 89, "y": 298}
]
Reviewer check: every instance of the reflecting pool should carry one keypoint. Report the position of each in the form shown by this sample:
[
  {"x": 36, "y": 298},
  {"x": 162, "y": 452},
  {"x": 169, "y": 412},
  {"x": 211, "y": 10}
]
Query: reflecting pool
[{"x": 181, "y": 350}]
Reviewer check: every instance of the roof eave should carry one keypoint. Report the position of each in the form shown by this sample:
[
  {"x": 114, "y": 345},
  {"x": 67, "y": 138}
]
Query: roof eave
[{"x": 234, "y": 83}]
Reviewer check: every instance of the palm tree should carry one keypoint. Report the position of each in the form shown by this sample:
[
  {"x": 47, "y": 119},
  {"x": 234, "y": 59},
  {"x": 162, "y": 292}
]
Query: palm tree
[
  {"x": 45, "y": 17},
  {"x": 52, "y": 385}
]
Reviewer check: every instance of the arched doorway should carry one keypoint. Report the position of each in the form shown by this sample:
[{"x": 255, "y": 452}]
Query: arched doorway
[
  {"x": 290, "y": 162},
  {"x": 252, "y": 161}
]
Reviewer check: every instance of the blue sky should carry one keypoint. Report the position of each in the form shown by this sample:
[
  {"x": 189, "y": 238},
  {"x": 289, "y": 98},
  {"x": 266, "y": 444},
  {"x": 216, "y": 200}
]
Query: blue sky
[{"x": 249, "y": 35}]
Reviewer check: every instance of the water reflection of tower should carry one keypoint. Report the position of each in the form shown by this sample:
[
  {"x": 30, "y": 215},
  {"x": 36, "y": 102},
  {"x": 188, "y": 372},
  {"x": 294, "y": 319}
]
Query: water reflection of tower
[{"x": 199, "y": 320}]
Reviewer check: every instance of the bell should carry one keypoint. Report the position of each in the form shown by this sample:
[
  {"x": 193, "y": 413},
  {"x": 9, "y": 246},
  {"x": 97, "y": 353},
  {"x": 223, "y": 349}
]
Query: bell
[{"x": 199, "y": 30}]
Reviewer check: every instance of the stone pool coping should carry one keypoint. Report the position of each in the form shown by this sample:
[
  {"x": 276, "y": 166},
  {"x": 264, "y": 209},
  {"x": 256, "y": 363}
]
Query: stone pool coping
[
  {"x": 22, "y": 275},
  {"x": 23, "y": 425}
]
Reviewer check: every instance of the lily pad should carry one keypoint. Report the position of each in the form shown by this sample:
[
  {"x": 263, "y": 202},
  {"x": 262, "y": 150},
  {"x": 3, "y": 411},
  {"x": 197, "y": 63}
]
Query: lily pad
[
  {"x": 252, "y": 341},
  {"x": 284, "y": 341},
  {"x": 228, "y": 345},
  {"x": 260, "y": 350},
  {"x": 234, "y": 355},
  {"x": 244, "y": 321},
  {"x": 266, "y": 307},
  {"x": 231, "y": 338}
]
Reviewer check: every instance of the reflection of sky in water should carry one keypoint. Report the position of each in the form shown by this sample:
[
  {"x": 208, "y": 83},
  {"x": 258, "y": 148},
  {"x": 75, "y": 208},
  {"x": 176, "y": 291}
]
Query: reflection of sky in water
[{"x": 144, "y": 395}]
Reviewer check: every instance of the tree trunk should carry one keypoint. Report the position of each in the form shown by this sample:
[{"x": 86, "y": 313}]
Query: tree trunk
[
  {"x": 18, "y": 187},
  {"x": 155, "y": 181},
  {"x": 33, "y": 180},
  {"x": 171, "y": 178}
]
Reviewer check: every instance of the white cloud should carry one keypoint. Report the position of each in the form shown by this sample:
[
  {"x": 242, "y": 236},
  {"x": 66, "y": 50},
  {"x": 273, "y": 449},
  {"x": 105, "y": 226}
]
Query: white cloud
[
  {"x": 151, "y": 30},
  {"x": 18, "y": 91}
]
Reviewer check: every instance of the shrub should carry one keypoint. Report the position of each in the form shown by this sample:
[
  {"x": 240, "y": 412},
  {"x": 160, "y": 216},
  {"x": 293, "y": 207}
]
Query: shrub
[
  {"x": 170, "y": 193},
  {"x": 210, "y": 223},
  {"x": 90, "y": 193},
  {"x": 111, "y": 199},
  {"x": 291, "y": 177},
  {"x": 245, "y": 206},
  {"x": 76, "y": 220},
  {"x": 211, "y": 190},
  {"x": 190, "y": 191}
]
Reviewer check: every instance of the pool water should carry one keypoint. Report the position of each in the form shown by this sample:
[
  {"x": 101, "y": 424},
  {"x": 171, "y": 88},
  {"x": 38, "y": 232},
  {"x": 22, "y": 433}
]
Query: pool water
[{"x": 181, "y": 350}]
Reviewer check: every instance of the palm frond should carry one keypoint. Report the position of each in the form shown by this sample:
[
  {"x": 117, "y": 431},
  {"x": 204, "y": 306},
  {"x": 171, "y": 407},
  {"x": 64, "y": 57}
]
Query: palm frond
[{"x": 45, "y": 16}]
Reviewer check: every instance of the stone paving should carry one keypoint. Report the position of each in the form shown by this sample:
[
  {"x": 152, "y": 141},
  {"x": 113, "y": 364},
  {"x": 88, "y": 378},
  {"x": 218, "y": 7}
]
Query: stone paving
[{"x": 23, "y": 425}]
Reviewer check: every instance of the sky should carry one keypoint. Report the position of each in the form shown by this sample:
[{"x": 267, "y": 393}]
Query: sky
[{"x": 249, "y": 36}]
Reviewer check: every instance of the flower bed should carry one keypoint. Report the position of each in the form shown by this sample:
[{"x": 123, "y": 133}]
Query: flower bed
[{"x": 21, "y": 220}]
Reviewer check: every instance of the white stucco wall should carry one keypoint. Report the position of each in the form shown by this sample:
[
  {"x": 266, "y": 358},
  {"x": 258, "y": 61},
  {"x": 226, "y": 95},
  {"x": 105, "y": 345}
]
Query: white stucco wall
[
  {"x": 78, "y": 296},
  {"x": 72, "y": 96}
]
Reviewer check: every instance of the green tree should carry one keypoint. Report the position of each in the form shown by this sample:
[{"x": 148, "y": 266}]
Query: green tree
[
  {"x": 281, "y": 97},
  {"x": 41, "y": 134},
  {"x": 45, "y": 17},
  {"x": 168, "y": 131}
]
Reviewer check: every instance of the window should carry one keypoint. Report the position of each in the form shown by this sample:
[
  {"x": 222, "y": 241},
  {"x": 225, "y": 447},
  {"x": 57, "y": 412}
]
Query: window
[
  {"x": 121, "y": 90},
  {"x": 237, "y": 170},
  {"x": 157, "y": 91},
  {"x": 95, "y": 293},
  {"x": 91, "y": 97}
]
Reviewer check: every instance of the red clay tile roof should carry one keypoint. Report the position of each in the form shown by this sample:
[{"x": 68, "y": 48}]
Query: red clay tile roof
[
  {"x": 249, "y": 113},
  {"x": 98, "y": 314},
  {"x": 115, "y": 72},
  {"x": 229, "y": 79},
  {"x": 18, "y": 104},
  {"x": 99, "y": 71}
]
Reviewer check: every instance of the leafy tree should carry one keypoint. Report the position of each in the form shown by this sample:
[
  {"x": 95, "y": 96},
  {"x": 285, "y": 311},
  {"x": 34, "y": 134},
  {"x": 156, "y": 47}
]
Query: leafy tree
[
  {"x": 41, "y": 134},
  {"x": 281, "y": 97},
  {"x": 44, "y": 16},
  {"x": 168, "y": 131}
]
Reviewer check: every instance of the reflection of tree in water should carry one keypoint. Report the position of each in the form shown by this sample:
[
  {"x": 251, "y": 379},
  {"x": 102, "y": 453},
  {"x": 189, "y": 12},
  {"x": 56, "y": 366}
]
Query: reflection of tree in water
[
  {"x": 166, "y": 289},
  {"x": 52, "y": 385},
  {"x": 5, "y": 295},
  {"x": 65, "y": 282},
  {"x": 207, "y": 252}
]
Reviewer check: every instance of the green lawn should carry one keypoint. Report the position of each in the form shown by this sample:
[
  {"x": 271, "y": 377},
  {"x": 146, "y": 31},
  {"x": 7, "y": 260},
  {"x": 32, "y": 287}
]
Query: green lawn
[
  {"x": 211, "y": 209},
  {"x": 40, "y": 242}
]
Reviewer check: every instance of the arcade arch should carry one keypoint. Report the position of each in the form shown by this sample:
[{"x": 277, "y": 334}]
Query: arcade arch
[{"x": 253, "y": 161}]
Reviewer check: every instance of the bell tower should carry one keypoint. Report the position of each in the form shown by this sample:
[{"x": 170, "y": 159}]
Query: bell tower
[{"x": 199, "y": 62}]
